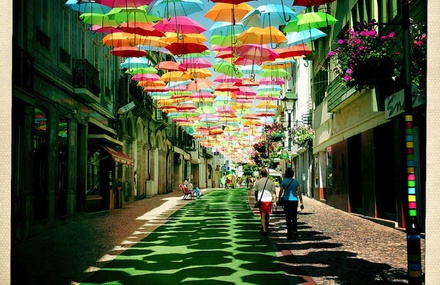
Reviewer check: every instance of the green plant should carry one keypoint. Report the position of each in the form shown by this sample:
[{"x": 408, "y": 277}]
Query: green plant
[
  {"x": 360, "y": 54},
  {"x": 302, "y": 135}
]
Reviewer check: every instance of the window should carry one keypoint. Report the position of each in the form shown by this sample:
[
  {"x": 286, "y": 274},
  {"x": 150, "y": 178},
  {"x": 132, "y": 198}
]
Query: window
[
  {"x": 40, "y": 158},
  {"x": 65, "y": 33},
  {"x": 320, "y": 83},
  {"x": 61, "y": 189},
  {"x": 42, "y": 16}
]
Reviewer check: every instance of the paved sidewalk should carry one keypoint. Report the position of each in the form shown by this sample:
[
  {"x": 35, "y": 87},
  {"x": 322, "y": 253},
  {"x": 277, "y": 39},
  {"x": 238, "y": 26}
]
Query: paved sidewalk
[{"x": 334, "y": 247}]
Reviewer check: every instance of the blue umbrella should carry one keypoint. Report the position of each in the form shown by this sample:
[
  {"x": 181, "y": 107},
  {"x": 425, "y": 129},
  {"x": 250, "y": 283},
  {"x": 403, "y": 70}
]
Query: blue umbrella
[
  {"x": 87, "y": 7},
  {"x": 136, "y": 62},
  {"x": 269, "y": 15},
  {"x": 296, "y": 38},
  {"x": 167, "y": 8},
  {"x": 226, "y": 28}
]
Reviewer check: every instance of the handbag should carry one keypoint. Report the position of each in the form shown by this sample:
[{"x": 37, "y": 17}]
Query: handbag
[
  {"x": 281, "y": 201},
  {"x": 257, "y": 204}
]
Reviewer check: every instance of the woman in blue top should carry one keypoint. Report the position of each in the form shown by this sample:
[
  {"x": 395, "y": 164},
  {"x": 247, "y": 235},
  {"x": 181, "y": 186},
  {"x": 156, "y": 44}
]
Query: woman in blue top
[{"x": 290, "y": 193}]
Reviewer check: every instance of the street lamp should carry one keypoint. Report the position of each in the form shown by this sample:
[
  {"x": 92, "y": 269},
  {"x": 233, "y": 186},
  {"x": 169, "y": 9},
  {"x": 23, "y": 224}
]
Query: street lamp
[{"x": 288, "y": 102}]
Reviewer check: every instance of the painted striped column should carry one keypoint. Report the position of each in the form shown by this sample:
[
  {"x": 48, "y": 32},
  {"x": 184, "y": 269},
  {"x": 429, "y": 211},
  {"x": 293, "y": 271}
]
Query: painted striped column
[{"x": 413, "y": 231}]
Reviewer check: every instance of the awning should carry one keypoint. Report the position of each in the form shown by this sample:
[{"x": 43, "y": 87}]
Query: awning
[{"x": 118, "y": 156}]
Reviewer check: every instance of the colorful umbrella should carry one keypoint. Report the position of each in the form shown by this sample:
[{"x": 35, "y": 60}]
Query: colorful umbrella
[
  {"x": 128, "y": 51},
  {"x": 302, "y": 37},
  {"x": 124, "y": 3},
  {"x": 310, "y": 20},
  {"x": 226, "y": 28},
  {"x": 131, "y": 14},
  {"x": 225, "y": 12},
  {"x": 186, "y": 48},
  {"x": 87, "y": 7},
  {"x": 293, "y": 51},
  {"x": 269, "y": 15},
  {"x": 169, "y": 65},
  {"x": 257, "y": 35},
  {"x": 140, "y": 28},
  {"x": 227, "y": 68},
  {"x": 180, "y": 25},
  {"x": 168, "y": 8},
  {"x": 184, "y": 38},
  {"x": 310, "y": 3},
  {"x": 97, "y": 19},
  {"x": 135, "y": 62},
  {"x": 199, "y": 84},
  {"x": 257, "y": 53},
  {"x": 195, "y": 63}
]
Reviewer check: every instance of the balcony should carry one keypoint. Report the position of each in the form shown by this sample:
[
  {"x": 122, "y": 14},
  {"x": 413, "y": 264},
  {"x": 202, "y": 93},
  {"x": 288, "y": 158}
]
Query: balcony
[
  {"x": 86, "y": 81},
  {"x": 23, "y": 69},
  {"x": 338, "y": 95}
]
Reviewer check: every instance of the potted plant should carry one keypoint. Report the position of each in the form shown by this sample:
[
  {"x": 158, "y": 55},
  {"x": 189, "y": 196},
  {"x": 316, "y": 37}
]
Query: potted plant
[
  {"x": 275, "y": 132},
  {"x": 363, "y": 57},
  {"x": 302, "y": 135}
]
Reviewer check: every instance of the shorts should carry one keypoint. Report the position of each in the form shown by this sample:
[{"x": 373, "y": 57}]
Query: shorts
[{"x": 265, "y": 207}]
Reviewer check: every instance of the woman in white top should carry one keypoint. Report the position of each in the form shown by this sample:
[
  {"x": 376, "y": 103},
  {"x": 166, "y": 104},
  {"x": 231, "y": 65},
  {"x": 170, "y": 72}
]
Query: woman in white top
[{"x": 265, "y": 193}]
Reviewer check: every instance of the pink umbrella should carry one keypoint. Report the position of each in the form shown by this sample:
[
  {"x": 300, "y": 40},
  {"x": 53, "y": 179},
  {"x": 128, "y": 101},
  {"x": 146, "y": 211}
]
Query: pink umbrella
[
  {"x": 195, "y": 63},
  {"x": 145, "y": 77},
  {"x": 179, "y": 25},
  {"x": 257, "y": 53},
  {"x": 223, "y": 78},
  {"x": 272, "y": 81},
  {"x": 245, "y": 91},
  {"x": 200, "y": 83}
]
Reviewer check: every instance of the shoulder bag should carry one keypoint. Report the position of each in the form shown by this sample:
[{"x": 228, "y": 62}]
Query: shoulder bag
[{"x": 257, "y": 204}]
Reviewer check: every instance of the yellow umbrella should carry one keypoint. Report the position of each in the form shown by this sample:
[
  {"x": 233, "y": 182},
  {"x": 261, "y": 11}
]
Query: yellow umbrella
[
  {"x": 118, "y": 39},
  {"x": 197, "y": 73},
  {"x": 266, "y": 105},
  {"x": 173, "y": 76}
]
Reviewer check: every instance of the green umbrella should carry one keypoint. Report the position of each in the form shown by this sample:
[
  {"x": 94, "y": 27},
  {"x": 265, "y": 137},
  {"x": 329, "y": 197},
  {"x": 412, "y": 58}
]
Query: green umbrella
[
  {"x": 312, "y": 20},
  {"x": 227, "y": 68}
]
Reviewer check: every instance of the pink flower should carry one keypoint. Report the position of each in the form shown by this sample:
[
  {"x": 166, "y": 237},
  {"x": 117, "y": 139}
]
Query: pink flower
[{"x": 340, "y": 41}]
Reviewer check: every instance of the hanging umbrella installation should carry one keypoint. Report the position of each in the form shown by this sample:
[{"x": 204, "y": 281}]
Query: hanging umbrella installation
[{"x": 310, "y": 20}]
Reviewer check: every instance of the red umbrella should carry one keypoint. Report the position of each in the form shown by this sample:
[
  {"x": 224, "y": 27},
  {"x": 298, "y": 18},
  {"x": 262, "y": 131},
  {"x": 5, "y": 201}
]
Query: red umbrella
[
  {"x": 123, "y": 3},
  {"x": 293, "y": 51},
  {"x": 125, "y": 51},
  {"x": 186, "y": 48},
  {"x": 309, "y": 3},
  {"x": 195, "y": 63},
  {"x": 141, "y": 28}
]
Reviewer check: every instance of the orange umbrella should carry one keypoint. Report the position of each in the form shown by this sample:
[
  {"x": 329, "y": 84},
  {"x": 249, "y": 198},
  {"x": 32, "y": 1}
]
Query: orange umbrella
[
  {"x": 184, "y": 38},
  {"x": 257, "y": 35},
  {"x": 200, "y": 83},
  {"x": 173, "y": 76},
  {"x": 117, "y": 39},
  {"x": 225, "y": 12},
  {"x": 169, "y": 65}
]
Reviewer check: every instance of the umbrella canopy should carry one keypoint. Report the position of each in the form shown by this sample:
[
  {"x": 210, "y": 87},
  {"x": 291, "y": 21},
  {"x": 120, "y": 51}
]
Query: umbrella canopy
[
  {"x": 168, "y": 8},
  {"x": 227, "y": 68},
  {"x": 131, "y": 14},
  {"x": 140, "y": 28},
  {"x": 257, "y": 35},
  {"x": 293, "y": 51},
  {"x": 186, "y": 48},
  {"x": 195, "y": 63},
  {"x": 226, "y": 28},
  {"x": 310, "y": 3},
  {"x": 302, "y": 37},
  {"x": 180, "y": 25},
  {"x": 199, "y": 84},
  {"x": 169, "y": 65},
  {"x": 128, "y": 52},
  {"x": 269, "y": 15},
  {"x": 257, "y": 53},
  {"x": 226, "y": 12},
  {"x": 310, "y": 20},
  {"x": 87, "y": 7},
  {"x": 124, "y": 3}
]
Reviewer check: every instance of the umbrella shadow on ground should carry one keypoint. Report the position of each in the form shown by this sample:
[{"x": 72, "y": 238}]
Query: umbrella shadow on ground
[
  {"x": 336, "y": 266},
  {"x": 214, "y": 240}
]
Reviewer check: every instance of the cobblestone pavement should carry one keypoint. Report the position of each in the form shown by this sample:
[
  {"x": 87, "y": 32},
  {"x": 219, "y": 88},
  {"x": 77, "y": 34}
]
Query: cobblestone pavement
[{"x": 334, "y": 247}]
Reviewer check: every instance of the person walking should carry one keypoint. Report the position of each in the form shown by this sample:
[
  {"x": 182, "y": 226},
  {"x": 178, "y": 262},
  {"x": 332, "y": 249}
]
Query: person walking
[
  {"x": 290, "y": 193},
  {"x": 266, "y": 194}
]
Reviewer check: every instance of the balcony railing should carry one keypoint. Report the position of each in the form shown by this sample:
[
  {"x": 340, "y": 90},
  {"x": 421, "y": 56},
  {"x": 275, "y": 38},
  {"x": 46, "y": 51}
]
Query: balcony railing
[
  {"x": 338, "y": 95},
  {"x": 23, "y": 69},
  {"x": 86, "y": 81}
]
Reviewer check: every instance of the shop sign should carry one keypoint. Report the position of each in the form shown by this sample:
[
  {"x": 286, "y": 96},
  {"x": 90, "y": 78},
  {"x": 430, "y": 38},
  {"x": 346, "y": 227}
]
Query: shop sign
[{"x": 395, "y": 104}]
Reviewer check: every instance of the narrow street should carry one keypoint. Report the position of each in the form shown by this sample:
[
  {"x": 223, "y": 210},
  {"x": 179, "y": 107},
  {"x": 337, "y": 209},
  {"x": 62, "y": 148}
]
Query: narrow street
[{"x": 213, "y": 240}]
